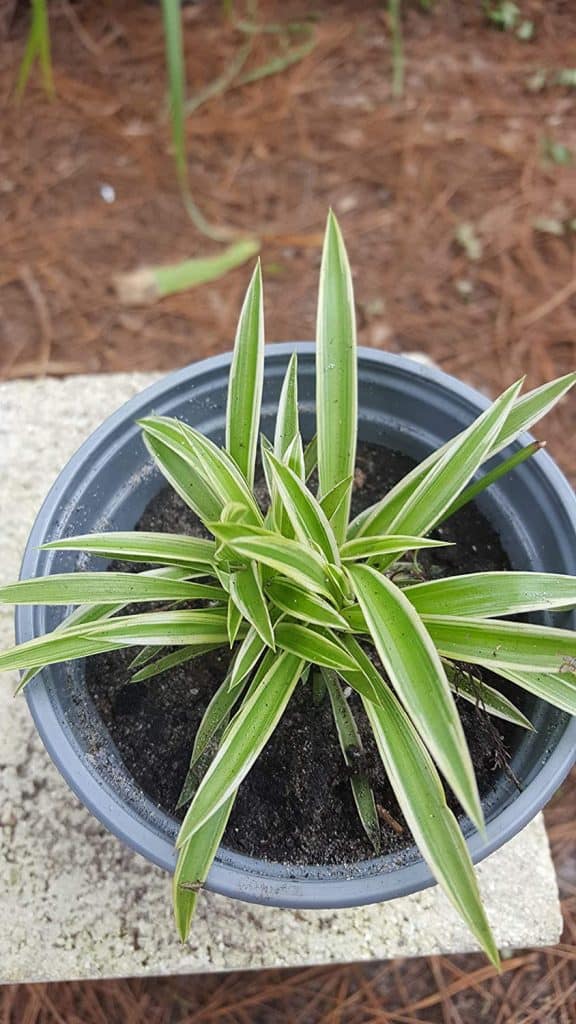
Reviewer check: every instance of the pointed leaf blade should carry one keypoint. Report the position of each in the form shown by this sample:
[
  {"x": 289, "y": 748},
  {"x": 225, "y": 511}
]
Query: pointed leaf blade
[
  {"x": 525, "y": 412},
  {"x": 213, "y": 464},
  {"x": 515, "y": 646},
  {"x": 172, "y": 628},
  {"x": 245, "y": 737},
  {"x": 531, "y": 408},
  {"x": 306, "y": 515},
  {"x": 246, "y": 592},
  {"x": 184, "y": 479},
  {"x": 421, "y": 797},
  {"x": 105, "y": 588},
  {"x": 164, "y": 548},
  {"x": 449, "y": 476},
  {"x": 486, "y": 481},
  {"x": 336, "y": 371},
  {"x": 557, "y": 688},
  {"x": 194, "y": 862},
  {"x": 313, "y": 645},
  {"x": 391, "y": 544},
  {"x": 215, "y": 717},
  {"x": 349, "y": 738},
  {"x": 246, "y": 381},
  {"x": 169, "y": 661},
  {"x": 233, "y": 621},
  {"x": 53, "y": 648},
  {"x": 311, "y": 457},
  {"x": 95, "y": 612},
  {"x": 491, "y": 594},
  {"x": 247, "y": 657},
  {"x": 287, "y": 426},
  {"x": 285, "y": 556},
  {"x": 301, "y": 604},
  {"x": 417, "y": 674},
  {"x": 332, "y": 501},
  {"x": 476, "y": 691}
]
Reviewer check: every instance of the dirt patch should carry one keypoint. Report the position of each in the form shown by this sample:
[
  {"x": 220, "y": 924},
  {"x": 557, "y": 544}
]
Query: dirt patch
[{"x": 296, "y": 805}]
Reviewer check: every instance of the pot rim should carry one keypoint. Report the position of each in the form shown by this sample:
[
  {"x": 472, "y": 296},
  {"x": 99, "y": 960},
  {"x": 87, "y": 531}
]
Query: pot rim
[{"x": 232, "y": 874}]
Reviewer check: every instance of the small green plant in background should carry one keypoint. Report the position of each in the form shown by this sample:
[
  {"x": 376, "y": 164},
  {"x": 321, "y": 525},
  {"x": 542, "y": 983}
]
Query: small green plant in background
[
  {"x": 398, "y": 60},
  {"x": 306, "y": 596},
  {"x": 556, "y": 152},
  {"x": 37, "y": 49},
  {"x": 507, "y": 16},
  {"x": 469, "y": 240},
  {"x": 542, "y": 79}
]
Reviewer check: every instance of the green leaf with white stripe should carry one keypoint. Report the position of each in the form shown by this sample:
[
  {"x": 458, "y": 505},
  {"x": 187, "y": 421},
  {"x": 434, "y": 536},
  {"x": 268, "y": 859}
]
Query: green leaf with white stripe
[
  {"x": 336, "y": 372},
  {"x": 53, "y": 648},
  {"x": 245, "y": 738},
  {"x": 332, "y": 501},
  {"x": 215, "y": 716},
  {"x": 311, "y": 457},
  {"x": 374, "y": 547},
  {"x": 80, "y": 616},
  {"x": 493, "y": 593},
  {"x": 531, "y": 408},
  {"x": 309, "y": 521},
  {"x": 95, "y": 612},
  {"x": 420, "y": 794},
  {"x": 287, "y": 416},
  {"x": 247, "y": 657},
  {"x": 181, "y": 656},
  {"x": 473, "y": 689},
  {"x": 233, "y": 621},
  {"x": 350, "y": 740},
  {"x": 194, "y": 862},
  {"x": 145, "y": 655},
  {"x": 525, "y": 412},
  {"x": 184, "y": 479},
  {"x": 449, "y": 476},
  {"x": 486, "y": 481},
  {"x": 164, "y": 548},
  {"x": 285, "y": 556},
  {"x": 417, "y": 674},
  {"x": 246, "y": 592},
  {"x": 510, "y": 645},
  {"x": 105, "y": 588},
  {"x": 301, "y": 604},
  {"x": 557, "y": 688},
  {"x": 246, "y": 381},
  {"x": 176, "y": 627},
  {"x": 216, "y": 467},
  {"x": 313, "y": 645},
  {"x": 363, "y": 678},
  {"x": 294, "y": 457}
]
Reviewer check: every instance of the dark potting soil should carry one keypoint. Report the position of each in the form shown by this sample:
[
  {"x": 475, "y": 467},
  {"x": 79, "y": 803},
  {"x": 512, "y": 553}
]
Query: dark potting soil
[{"x": 296, "y": 804}]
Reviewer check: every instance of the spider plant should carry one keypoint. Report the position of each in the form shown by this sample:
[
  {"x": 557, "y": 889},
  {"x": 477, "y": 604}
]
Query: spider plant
[{"x": 306, "y": 596}]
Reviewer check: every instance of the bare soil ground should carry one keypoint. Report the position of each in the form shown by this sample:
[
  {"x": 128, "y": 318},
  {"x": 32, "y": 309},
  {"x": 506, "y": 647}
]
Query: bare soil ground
[{"x": 467, "y": 153}]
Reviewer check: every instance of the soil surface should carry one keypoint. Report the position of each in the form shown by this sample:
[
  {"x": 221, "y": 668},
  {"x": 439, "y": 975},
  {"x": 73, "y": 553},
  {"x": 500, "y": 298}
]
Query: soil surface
[{"x": 296, "y": 805}]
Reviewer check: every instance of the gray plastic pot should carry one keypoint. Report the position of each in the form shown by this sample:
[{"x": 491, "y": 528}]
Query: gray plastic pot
[{"x": 107, "y": 485}]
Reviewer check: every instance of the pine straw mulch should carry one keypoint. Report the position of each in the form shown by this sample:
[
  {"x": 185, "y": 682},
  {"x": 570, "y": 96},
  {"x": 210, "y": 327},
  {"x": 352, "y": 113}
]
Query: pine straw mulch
[{"x": 466, "y": 145}]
